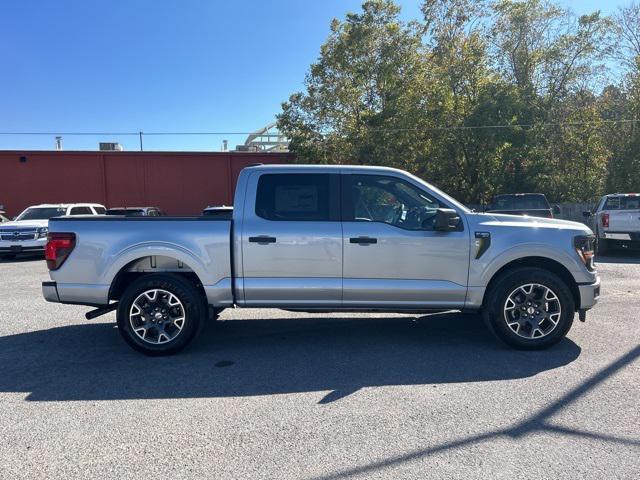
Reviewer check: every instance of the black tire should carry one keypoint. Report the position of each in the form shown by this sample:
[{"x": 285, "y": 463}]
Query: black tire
[
  {"x": 602, "y": 247},
  {"x": 495, "y": 315},
  {"x": 214, "y": 313},
  {"x": 192, "y": 302}
]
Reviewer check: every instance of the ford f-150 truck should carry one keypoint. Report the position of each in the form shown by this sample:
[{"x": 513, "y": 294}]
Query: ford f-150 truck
[{"x": 325, "y": 238}]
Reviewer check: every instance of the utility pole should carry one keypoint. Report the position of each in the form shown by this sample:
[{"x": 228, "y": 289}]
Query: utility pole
[{"x": 140, "y": 135}]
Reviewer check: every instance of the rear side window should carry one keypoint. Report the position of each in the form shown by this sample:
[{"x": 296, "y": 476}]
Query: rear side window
[
  {"x": 297, "y": 197},
  {"x": 622, "y": 203},
  {"x": 80, "y": 211}
]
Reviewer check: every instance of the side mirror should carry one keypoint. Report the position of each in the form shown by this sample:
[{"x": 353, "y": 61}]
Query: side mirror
[
  {"x": 556, "y": 210},
  {"x": 587, "y": 214},
  {"x": 447, "y": 220}
]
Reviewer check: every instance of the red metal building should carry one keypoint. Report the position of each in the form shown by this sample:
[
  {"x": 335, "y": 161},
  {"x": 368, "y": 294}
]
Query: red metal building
[{"x": 180, "y": 183}]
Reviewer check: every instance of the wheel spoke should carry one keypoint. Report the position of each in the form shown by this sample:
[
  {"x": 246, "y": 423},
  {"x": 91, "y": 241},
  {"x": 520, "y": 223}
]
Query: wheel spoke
[
  {"x": 151, "y": 295},
  {"x": 160, "y": 312},
  {"x": 532, "y": 311},
  {"x": 144, "y": 330}
]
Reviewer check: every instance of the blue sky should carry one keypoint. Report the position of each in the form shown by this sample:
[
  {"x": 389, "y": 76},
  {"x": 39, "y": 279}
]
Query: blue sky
[{"x": 189, "y": 65}]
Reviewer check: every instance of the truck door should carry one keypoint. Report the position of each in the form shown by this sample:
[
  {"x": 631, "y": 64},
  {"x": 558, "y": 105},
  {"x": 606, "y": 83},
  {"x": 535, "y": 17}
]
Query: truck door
[
  {"x": 392, "y": 255},
  {"x": 292, "y": 240}
]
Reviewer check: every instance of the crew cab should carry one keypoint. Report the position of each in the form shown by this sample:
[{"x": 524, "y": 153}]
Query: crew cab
[
  {"x": 617, "y": 221},
  {"x": 28, "y": 232},
  {"x": 326, "y": 238}
]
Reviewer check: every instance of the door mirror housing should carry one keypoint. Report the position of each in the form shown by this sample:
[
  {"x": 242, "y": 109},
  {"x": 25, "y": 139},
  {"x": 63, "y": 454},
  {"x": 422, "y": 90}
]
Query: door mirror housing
[
  {"x": 556, "y": 209},
  {"x": 447, "y": 220}
]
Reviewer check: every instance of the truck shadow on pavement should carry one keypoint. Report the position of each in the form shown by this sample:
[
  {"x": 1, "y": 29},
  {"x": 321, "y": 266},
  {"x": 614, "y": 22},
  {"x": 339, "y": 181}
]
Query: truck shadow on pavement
[{"x": 271, "y": 356}]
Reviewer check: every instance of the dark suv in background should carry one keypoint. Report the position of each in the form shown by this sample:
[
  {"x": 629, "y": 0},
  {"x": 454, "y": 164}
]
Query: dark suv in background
[
  {"x": 136, "y": 211},
  {"x": 530, "y": 204}
]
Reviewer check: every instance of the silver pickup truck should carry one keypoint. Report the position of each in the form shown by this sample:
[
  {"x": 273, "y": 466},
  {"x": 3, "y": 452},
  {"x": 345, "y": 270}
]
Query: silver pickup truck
[{"x": 325, "y": 238}]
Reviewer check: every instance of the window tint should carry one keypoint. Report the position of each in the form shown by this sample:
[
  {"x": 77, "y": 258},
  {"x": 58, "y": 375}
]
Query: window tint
[
  {"x": 520, "y": 202},
  {"x": 80, "y": 211},
  {"x": 100, "y": 210},
  {"x": 375, "y": 198},
  {"x": 623, "y": 203},
  {"x": 296, "y": 197}
]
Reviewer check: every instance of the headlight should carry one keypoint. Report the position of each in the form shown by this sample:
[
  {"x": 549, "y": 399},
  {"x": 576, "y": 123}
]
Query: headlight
[
  {"x": 42, "y": 232},
  {"x": 584, "y": 245}
]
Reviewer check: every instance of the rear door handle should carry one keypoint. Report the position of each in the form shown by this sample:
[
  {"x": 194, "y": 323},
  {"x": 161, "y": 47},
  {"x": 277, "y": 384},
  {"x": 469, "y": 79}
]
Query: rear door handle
[
  {"x": 363, "y": 240},
  {"x": 262, "y": 239}
]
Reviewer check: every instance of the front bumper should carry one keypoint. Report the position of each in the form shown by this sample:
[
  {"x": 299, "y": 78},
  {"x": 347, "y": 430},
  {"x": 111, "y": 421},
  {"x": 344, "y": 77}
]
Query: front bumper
[
  {"x": 23, "y": 246},
  {"x": 589, "y": 294}
]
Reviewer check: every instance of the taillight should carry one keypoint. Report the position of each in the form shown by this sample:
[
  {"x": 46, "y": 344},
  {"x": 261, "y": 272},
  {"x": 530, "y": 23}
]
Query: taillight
[
  {"x": 59, "y": 246},
  {"x": 604, "y": 218}
]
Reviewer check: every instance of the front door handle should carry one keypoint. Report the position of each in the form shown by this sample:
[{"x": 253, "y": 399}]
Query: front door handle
[
  {"x": 363, "y": 240},
  {"x": 262, "y": 239}
]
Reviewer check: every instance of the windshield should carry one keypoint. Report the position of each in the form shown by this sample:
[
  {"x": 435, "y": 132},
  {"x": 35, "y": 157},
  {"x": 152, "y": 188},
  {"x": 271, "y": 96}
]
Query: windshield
[
  {"x": 623, "y": 203},
  {"x": 520, "y": 202},
  {"x": 41, "y": 213},
  {"x": 130, "y": 212}
]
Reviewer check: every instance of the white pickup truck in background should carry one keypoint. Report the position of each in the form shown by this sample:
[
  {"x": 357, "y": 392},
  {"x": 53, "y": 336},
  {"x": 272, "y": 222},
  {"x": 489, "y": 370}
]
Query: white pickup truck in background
[
  {"x": 27, "y": 233},
  {"x": 617, "y": 221}
]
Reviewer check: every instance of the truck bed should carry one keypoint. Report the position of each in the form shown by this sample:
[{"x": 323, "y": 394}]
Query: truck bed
[{"x": 111, "y": 246}]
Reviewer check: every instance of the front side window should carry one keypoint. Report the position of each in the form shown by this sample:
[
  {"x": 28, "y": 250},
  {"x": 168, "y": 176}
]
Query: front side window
[
  {"x": 376, "y": 198},
  {"x": 100, "y": 210},
  {"x": 295, "y": 197}
]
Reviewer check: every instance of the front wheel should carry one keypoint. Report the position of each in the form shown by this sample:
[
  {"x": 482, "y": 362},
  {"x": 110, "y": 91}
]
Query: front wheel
[
  {"x": 602, "y": 247},
  {"x": 529, "y": 308},
  {"x": 159, "y": 314}
]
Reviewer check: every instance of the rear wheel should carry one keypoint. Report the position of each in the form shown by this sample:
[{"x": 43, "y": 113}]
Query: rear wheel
[
  {"x": 529, "y": 308},
  {"x": 159, "y": 314}
]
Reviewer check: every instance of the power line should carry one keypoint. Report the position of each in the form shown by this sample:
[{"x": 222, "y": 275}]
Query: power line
[{"x": 382, "y": 129}]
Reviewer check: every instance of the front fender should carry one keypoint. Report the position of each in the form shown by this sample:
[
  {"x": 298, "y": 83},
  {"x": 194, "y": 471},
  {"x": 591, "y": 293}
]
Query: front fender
[{"x": 482, "y": 270}]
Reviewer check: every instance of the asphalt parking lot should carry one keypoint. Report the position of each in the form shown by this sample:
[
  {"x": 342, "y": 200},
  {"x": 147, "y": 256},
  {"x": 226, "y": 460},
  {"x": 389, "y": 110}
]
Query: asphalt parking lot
[{"x": 274, "y": 394}]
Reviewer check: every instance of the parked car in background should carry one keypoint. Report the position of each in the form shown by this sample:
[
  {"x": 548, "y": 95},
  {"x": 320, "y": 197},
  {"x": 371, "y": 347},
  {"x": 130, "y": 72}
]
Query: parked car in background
[
  {"x": 326, "y": 238},
  {"x": 28, "y": 232},
  {"x": 219, "y": 211},
  {"x": 530, "y": 204},
  {"x": 136, "y": 211},
  {"x": 616, "y": 221},
  {"x": 3, "y": 215}
]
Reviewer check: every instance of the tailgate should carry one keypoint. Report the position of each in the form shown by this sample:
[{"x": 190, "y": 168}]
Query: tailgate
[{"x": 624, "y": 220}]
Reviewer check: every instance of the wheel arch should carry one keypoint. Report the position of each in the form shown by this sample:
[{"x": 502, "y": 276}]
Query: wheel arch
[
  {"x": 544, "y": 263},
  {"x": 147, "y": 264}
]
